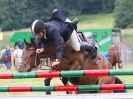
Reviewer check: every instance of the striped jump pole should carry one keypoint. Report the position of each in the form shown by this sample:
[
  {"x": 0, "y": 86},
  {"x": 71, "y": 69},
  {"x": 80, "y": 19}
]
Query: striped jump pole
[
  {"x": 66, "y": 88},
  {"x": 71, "y": 73}
]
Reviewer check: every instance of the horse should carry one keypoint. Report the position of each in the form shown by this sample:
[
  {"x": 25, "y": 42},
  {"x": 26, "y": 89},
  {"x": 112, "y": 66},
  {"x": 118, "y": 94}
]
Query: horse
[
  {"x": 86, "y": 59},
  {"x": 115, "y": 56}
]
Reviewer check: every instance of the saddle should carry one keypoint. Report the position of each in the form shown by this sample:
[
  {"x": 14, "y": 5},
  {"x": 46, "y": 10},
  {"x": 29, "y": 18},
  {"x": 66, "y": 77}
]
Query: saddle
[{"x": 86, "y": 37}]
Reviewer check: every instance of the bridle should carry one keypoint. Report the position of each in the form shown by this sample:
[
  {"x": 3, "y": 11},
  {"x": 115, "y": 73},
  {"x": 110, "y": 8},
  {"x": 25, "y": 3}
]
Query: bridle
[
  {"x": 27, "y": 65},
  {"x": 45, "y": 62}
]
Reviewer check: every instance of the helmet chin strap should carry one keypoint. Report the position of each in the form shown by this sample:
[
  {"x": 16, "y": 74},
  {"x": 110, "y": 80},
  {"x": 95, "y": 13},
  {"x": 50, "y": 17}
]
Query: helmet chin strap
[{"x": 44, "y": 34}]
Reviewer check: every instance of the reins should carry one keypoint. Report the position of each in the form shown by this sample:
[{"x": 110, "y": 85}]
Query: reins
[{"x": 44, "y": 62}]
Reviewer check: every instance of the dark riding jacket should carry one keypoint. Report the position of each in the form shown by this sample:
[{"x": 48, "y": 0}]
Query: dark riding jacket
[{"x": 57, "y": 30}]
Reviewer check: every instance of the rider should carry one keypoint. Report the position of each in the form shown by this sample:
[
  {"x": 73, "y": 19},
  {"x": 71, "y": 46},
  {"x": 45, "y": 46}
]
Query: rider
[{"x": 56, "y": 29}]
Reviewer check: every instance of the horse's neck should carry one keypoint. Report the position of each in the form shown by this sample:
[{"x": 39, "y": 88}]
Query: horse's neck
[
  {"x": 91, "y": 63},
  {"x": 98, "y": 63},
  {"x": 104, "y": 63},
  {"x": 49, "y": 50}
]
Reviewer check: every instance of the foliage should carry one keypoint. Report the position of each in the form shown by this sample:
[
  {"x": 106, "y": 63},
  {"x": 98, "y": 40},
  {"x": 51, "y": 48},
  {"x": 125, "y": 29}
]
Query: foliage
[
  {"x": 94, "y": 6},
  {"x": 16, "y": 14},
  {"x": 123, "y": 13}
]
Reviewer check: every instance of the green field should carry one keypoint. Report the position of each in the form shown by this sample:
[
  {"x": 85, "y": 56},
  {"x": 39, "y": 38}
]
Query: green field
[{"x": 96, "y": 21}]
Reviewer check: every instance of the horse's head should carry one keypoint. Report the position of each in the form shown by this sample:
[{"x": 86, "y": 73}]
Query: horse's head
[{"x": 28, "y": 58}]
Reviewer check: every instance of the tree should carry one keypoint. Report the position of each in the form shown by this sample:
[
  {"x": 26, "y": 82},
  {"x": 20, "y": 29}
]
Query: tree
[
  {"x": 123, "y": 13},
  {"x": 12, "y": 15},
  {"x": 16, "y": 14},
  {"x": 94, "y": 6}
]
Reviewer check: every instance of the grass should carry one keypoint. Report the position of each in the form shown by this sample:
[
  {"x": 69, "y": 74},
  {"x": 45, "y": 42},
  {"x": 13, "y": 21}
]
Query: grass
[
  {"x": 126, "y": 78},
  {"x": 127, "y": 34},
  {"x": 95, "y": 21}
]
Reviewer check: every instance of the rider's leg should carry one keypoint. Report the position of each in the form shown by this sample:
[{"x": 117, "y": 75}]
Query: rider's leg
[{"x": 74, "y": 42}]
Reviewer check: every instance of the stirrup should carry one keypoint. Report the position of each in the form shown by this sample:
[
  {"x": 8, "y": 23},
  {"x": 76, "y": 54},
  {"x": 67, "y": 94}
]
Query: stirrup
[
  {"x": 96, "y": 62},
  {"x": 44, "y": 64},
  {"x": 42, "y": 67}
]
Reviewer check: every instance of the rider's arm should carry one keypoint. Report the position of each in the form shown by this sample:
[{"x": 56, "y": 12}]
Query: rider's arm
[
  {"x": 59, "y": 43},
  {"x": 41, "y": 47}
]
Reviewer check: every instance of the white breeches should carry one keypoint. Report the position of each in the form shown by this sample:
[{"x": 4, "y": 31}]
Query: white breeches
[{"x": 74, "y": 41}]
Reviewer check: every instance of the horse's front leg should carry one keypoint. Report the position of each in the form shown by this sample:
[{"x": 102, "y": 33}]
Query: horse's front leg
[
  {"x": 65, "y": 82},
  {"x": 47, "y": 83},
  {"x": 120, "y": 66}
]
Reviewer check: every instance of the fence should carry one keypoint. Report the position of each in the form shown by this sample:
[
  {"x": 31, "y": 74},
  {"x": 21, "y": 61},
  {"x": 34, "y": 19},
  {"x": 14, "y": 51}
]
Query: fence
[{"x": 71, "y": 73}]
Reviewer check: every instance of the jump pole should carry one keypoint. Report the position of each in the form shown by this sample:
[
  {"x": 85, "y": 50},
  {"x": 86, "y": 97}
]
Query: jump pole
[
  {"x": 66, "y": 88},
  {"x": 71, "y": 73}
]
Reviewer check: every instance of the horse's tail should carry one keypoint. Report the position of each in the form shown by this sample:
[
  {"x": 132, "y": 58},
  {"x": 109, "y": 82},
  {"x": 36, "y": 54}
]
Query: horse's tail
[{"x": 118, "y": 81}]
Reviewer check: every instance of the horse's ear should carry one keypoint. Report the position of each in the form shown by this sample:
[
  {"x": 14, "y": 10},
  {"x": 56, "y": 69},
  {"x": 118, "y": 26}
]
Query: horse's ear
[
  {"x": 26, "y": 43},
  {"x": 34, "y": 41}
]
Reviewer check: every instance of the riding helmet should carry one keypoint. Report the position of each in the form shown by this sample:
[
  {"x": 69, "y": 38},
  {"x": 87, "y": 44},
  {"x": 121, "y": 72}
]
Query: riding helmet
[{"x": 37, "y": 26}]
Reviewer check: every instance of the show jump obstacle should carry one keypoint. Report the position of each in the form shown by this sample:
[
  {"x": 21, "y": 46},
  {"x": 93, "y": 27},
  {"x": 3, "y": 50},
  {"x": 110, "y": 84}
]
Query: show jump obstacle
[{"x": 72, "y": 73}]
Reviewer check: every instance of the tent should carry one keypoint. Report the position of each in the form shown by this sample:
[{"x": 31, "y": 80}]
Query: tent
[{"x": 21, "y": 35}]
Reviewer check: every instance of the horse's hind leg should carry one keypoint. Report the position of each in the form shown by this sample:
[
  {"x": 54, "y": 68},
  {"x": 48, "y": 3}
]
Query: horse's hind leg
[
  {"x": 118, "y": 81},
  {"x": 106, "y": 80},
  {"x": 65, "y": 82},
  {"x": 47, "y": 83}
]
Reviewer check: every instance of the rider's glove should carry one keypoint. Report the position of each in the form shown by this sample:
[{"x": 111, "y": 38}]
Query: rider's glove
[
  {"x": 39, "y": 50},
  {"x": 56, "y": 62}
]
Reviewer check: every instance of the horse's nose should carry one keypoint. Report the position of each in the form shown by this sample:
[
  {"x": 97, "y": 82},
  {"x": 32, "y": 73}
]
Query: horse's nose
[
  {"x": 22, "y": 64},
  {"x": 20, "y": 67}
]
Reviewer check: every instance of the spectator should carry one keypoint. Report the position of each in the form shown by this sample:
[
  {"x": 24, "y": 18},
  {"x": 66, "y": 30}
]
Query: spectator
[
  {"x": 17, "y": 56},
  {"x": 7, "y": 57},
  {"x": 21, "y": 44},
  {"x": 1, "y": 58},
  {"x": 12, "y": 56}
]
